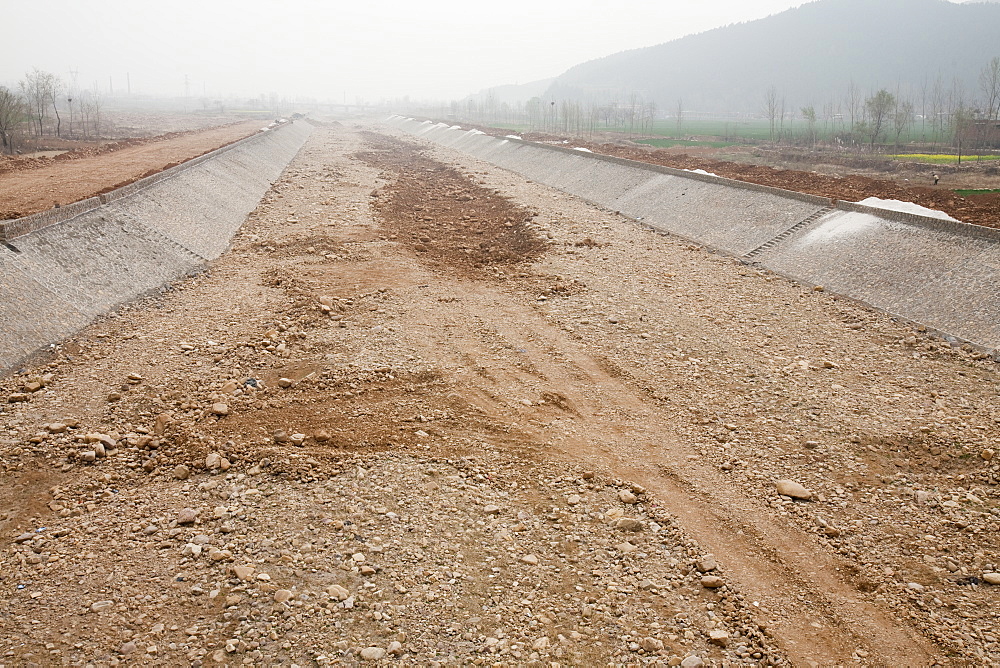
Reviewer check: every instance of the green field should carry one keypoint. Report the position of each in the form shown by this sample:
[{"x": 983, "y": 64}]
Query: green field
[
  {"x": 667, "y": 143},
  {"x": 940, "y": 158},
  {"x": 966, "y": 193},
  {"x": 726, "y": 131},
  {"x": 721, "y": 133}
]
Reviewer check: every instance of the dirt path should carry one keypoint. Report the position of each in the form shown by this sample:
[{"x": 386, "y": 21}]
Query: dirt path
[
  {"x": 65, "y": 181},
  {"x": 425, "y": 412}
]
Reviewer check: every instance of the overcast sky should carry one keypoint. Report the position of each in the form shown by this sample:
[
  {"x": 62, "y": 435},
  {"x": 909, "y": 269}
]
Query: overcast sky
[{"x": 373, "y": 49}]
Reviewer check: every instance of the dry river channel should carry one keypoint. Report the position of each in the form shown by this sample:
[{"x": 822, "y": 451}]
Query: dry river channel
[{"x": 426, "y": 412}]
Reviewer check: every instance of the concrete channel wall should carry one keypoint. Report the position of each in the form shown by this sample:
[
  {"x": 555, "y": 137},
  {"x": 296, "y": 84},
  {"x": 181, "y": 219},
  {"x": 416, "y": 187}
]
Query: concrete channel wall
[
  {"x": 941, "y": 274},
  {"x": 61, "y": 269}
]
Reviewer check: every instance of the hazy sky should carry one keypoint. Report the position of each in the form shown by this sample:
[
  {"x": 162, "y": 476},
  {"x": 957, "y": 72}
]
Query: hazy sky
[{"x": 435, "y": 49}]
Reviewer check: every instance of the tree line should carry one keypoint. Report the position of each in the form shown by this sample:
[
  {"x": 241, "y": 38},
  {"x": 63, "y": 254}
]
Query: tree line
[
  {"x": 937, "y": 113},
  {"x": 41, "y": 104}
]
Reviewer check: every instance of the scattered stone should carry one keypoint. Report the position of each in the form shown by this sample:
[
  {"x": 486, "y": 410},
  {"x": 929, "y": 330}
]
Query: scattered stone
[
  {"x": 793, "y": 489},
  {"x": 243, "y": 572},
  {"x": 373, "y": 653},
  {"x": 706, "y": 564},
  {"x": 492, "y": 509},
  {"x": 988, "y": 454},
  {"x": 991, "y": 578},
  {"x": 712, "y": 581},
  {"x": 220, "y": 409},
  {"x": 282, "y": 595},
  {"x": 530, "y": 559},
  {"x": 627, "y": 524},
  {"x": 338, "y": 592},
  {"x": 718, "y": 637},
  {"x": 187, "y": 516},
  {"x": 651, "y": 644},
  {"x": 213, "y": 461},
  {"x": 101, "y": 606},
  {"x": 625, "y": 496},
  {"x": 181, "y": 472}
]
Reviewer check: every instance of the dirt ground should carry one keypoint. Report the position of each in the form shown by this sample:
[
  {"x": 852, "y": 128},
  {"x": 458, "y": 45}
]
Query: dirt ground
[
  {"x": 30, "y": 185},
  {"x": 428, "y": 413}
]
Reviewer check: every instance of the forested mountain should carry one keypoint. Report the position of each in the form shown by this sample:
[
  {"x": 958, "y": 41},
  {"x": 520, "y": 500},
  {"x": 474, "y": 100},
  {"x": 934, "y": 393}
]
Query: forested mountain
[{"x": 810, "y": 55}]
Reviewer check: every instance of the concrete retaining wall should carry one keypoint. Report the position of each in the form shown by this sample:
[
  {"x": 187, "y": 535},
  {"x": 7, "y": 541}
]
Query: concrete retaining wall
[
  {"x": 63, "y": 268},
  {"x": 942, "y": 274}
]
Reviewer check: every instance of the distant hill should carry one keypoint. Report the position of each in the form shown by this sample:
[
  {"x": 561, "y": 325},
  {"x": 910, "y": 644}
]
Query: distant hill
[{"x": 811, "y": 54}]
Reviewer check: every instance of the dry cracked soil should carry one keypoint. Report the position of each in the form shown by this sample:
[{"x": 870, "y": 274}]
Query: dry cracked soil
[{"x": 425, "y": 412}]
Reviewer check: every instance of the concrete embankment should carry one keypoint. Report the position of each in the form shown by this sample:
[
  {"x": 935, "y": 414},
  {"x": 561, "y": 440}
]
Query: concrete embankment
[
  {"x": 61, "y": 269},
  {"x": 941, "y": 274}
]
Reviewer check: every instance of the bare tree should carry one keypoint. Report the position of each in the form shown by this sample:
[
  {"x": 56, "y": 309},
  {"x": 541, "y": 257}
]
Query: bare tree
[
  {"x": 809, "y": 114},
  {"x": 879, "y": 107},
  {"x": 36, "y": 87},
  {"x": 13, "y": 113},
  {"x": 771, "y": 107},
  {"x": 55, "y": 90},
  {"x": 989, "y": 84},
  {"x": 937, "y": 106},
  {"x": 961, "y": 119},
  {"x": 680, "y": 114},
  {"x": 901, "y": 119},
  {"x": 90, "y": 106},
  {"x": 853, "y": 101}
]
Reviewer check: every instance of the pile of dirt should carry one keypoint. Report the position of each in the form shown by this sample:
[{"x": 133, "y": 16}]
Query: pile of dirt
[{"x": 439, "y": 212}]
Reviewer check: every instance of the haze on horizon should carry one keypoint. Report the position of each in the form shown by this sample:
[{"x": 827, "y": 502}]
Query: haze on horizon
[{"x": 387, "y": 49}]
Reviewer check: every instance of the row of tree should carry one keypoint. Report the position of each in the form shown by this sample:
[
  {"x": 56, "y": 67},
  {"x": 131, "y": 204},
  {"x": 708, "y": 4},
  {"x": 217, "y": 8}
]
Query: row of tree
[
  {"x": 937, "y": 113},
  {"x": 37, "y": 108}
]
